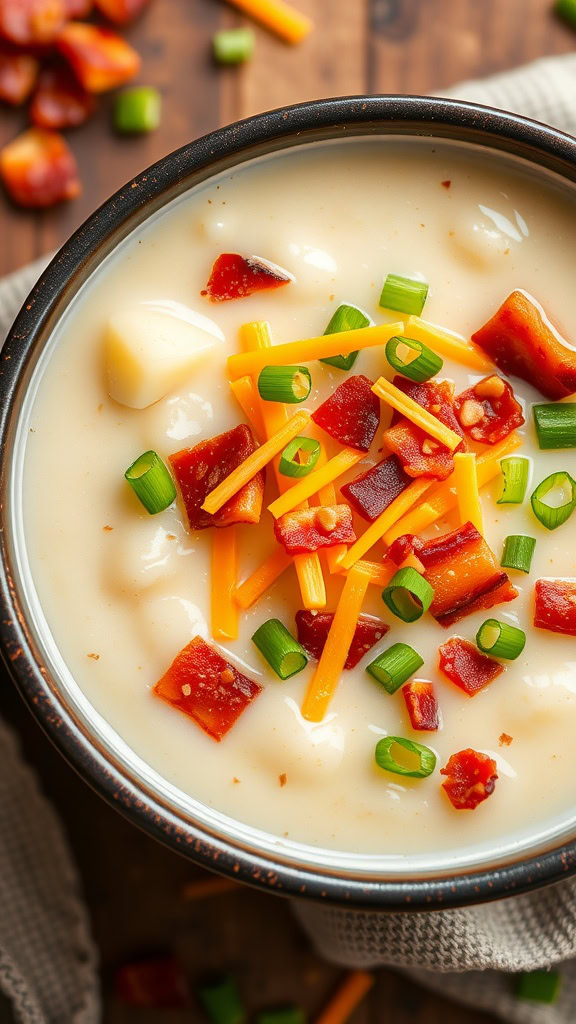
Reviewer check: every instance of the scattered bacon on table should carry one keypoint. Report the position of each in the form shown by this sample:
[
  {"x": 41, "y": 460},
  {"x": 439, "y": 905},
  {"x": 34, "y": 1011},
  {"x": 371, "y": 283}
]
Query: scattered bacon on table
[
  {"x": 422, "y": 706},
  {"x": 38, "y": 169},
  {"x": 420, "y": 454},
  {"x": 235, "y": 277},
  {"x": 60, "y": 101},
  {"x": 18, "y": 74},
  {"x": 555, "y": 606},
  {"x": 463, "y": 664},
  {"x": 313, "y": 628},
  {"x": 100, "y": 58},
  {"x": 470, "y": 778},
  {"x": 157, "y": 983},
  {"x": 308, "y": 529}
]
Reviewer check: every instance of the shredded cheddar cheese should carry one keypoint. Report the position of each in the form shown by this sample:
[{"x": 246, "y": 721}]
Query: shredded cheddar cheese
[
  {"x": 448, "y": 344},
  {"x": 279, "y": 17},
  {"x": 386, "y": 520},
  {"x": 262, "y": 578},
  {"x": 420, "y": 417},
  {"x": 466, "y": 482},
  {"x": 224, "y": 575},
  {"x": 249, "y": 401},
  {"x": 318, "y": 478},
  {"x": 346, "y": 998}
]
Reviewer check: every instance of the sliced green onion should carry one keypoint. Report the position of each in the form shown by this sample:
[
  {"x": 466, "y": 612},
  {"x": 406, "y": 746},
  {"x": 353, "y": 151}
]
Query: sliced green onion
[
  {"x": 346, "y": 318},
  {"x": 515, "y": 470},
  {"x": 393, "y": 667},
  {"x": 539, "y": 986},
  {"x": 500, "y": 639},
  {"x": 233, "y": 46},
  {"x": 384, "y": 758},
  {"x": 292, "y": 462},
  {"x": 566, "y": 9},
  {"x": 555, "y": 425},
  {"x": 150, "y": 479},
  {"x": 290, "y": 384},
  {"x": 554, "y": 500},
  {"x": 222, "y": 1002},
  {"x": 518, "y": 552},
  {"x": 413, "y": 358},
  {"x": 282, "y": 652},
  {"x": 408, "y": 595},
  {"x": 282, "y": 1015},
  {"x": 138, "y": 110},
  {"x": 404, "y": 294}
]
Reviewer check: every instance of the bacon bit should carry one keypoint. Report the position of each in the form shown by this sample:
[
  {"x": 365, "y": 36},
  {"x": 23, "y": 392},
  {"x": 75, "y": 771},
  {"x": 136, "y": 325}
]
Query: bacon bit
[
  {"x": 352, "y": 413},
  {"x": 422, "y": 706},
  {"x": 78, "y": 9},
  {"x": 466, "y": 666},
  {"x": 490, "y": 387},
  {"x": 200, "y": 469},
  {"x": 107, "y": 528},
  {"x": 39, "y": 170},
  {"x": 215, "y": 705},
  {"x": 18, "y": 74},
  {"x": 313, "y": 628},
  {"x": 372, "y": 491},
  {"x": 235, "y": 277},
  {"x": 495, "y": 416},
  {"x": 100, "y": 58},
  {"x": 505, "y": 739},
  {"x": 403, "y": 547},
  {"x": 471, "y": 778},
  {"x": 282, "y": 779},
  {"x": 446, "y": 184},
  {"x": 60, "y": 101},
  {"x": 555, "y": 606},
  {"x": 96, "y": 657},
  {"x": 418, "y": 453},
  {"x": 158, "y": 984},
  {"x": 121, "y": 11},
  {"x": 471, "y": 412},
  {"x": 304, "y": 530},
  {"x": 31, "y": 22}
]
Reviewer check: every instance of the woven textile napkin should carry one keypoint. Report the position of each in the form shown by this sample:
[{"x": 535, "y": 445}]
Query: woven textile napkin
[{"x": 47, "y": 958}]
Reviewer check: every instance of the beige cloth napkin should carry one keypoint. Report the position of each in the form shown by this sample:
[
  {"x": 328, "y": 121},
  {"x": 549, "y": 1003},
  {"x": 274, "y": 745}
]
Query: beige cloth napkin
[{"x": 47, "y": 958}]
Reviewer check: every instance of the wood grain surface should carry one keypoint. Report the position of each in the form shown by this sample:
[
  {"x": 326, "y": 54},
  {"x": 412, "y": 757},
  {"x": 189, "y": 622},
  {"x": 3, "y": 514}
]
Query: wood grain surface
[{"x": 134, "y": 887}]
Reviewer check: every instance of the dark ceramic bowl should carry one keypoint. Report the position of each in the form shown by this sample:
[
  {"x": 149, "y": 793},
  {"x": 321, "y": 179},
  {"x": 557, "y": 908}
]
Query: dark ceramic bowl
[{"x": 91, "y": 747}]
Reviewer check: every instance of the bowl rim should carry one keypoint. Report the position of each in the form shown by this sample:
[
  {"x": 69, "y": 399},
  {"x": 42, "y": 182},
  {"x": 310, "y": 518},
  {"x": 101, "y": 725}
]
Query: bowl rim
[{"x": 266, "y": 132}]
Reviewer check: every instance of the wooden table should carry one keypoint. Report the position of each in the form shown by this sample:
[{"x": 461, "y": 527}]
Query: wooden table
[{"x": 135, "y": 887}]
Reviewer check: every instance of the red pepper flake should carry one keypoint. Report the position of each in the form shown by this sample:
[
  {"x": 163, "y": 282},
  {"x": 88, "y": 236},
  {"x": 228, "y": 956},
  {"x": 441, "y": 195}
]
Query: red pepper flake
[
  {"x": 466, "y": 666},
  {"x": 422, "y": 706},
  {"x": 200, "y": 469},
  {"x": 204, "y": 686},
  {"x": 446, "y": 184},
  {"x": 158, "y": 983},
  {"x": 471, "y": 777},
  {"x": 555, "y": 606},
  {"x": 419, "y": 454},
  {"x": 234, "y": 277},
  {"x": 313, "y": 628},
  {"x": 308, "y": 529},
  {"x": 352, "y": 413},
  {"x": 488, "y": 411},
  {"x": 372, "y": 491},
  {"x": 505, "y": 740},
  {"x": 282, "y": 779}
]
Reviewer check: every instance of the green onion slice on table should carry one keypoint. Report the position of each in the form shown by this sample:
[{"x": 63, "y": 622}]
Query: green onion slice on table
[
  {"x": 385, "y": 758},
  {"x": 539, "y": 986},
  {"x": 404, "y": 294},
  {"x": 555, "y": 425},
  {"x": 150, "y": 480},
  {"x": 408, "y": 595},
  {"x": 289, "y": 384},
  {"x": 554, "y": 500},
  {"x": 282, "y": 652},
  {"x": 138, "y": 110},
  {"x": 233, "y": 46},
  {"x": 300, "y": 456},
  {"x": 515, "y": 470},
  {"x": 346, "y": 318},
  {"x": 413, "y": 358},
  {"x": 500, "y": 639},
  {"x": 282, "y": 1015},
  {"x": 394, "y": 667},
  {"x": 518, "y": 552},
  {"x": 221, "y": 1001}
]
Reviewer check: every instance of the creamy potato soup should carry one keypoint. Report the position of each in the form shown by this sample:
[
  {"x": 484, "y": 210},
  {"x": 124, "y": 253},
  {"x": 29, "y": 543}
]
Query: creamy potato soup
[{"x": 141, "y": 364}]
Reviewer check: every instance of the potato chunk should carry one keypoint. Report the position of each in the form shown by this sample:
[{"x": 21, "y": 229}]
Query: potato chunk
[{"x": 151, "y": 347}]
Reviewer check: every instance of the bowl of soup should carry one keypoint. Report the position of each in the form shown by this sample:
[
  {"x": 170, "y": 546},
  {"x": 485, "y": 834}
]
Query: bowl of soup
[{"x": 289, "y": 558}]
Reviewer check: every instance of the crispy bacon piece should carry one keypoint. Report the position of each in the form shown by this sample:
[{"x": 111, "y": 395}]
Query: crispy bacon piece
[
  {"x": 60, "y": 101},
  {"x": 100, "y": 58},
  {"x": 234, "y": 277},
  {"x": 403, "y": 547},
  {"x": 352, "y": 413},
  {"x": 204, "y": 686},
  {"x": 488, "y": 411},
  {"x": 372, "y": 491},
  {"x": 38, "y": 169},
  {"x": 308, "y": 529},
  {"x": 158, "y": 983},
  {"x": 464, "y": 573},
  {"x": 200, "y": 469},
  {"x": 78, "y": 9},
  {"x": 555, "y": 606},
  {"x": 422, "y": 706},
  {"x": 313, "y": 628},
  {"x": 121, "y": 11},
  {"x": 466, "y": 666},
  {"x": 471, "y": 777},
  {"x": 31, "y": 22},
  {"x": 420, "y": 454},
  {"x": 522, "y": 341},
  {"x": 18, "y": 74}
]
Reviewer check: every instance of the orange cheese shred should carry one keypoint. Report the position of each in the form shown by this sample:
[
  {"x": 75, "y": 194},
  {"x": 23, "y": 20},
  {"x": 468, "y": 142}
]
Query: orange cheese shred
[
  {"x": 224, "y": 576},
  {"x": 448, "y": 344},
  {"x": 347, "y": 997},
  {"x": 279, "y": 17},
  {"x": 249, "y": 401},
  {"x": 386, "y": 520},
  {"x": 420, "y": 417},
  {"x": 317, "y": 479},
  {"x": 262, "y": 578},
  {"x": 466, "y": 483}
]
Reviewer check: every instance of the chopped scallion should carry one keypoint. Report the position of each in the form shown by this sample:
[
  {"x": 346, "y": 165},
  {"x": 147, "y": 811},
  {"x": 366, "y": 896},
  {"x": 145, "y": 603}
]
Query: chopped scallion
[
  {"x": 290, "y": 384},
  {"x": 408, "y": 595},
  {"x": 554, "y": 500},
  {"x": 404, "y": 294},
  {"x": 137, "y": 110},
  {"x": 500, "y": 639},
  {"x": 222, "y": 1002},
  {"x": 518, "y": 552},
  {"x": 300, "y": 456},
  {"x": 566, "y": 9},
  {"x": 233, "y": 46},
  {"x": 386, "y": 760},
  {"x": 150, "y": 480},
  {"x": 539, "y": 986},
  {"x": 282, "y": 652},
  {"x": 413, "y": 358},
  {"x": 395, "y": 666},
  {"x": 346, "y": 318},
  {"x": 555, "y": 425},
  {"x": 282, "y": 1015},
  {"x": 515, "y": 470}
]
